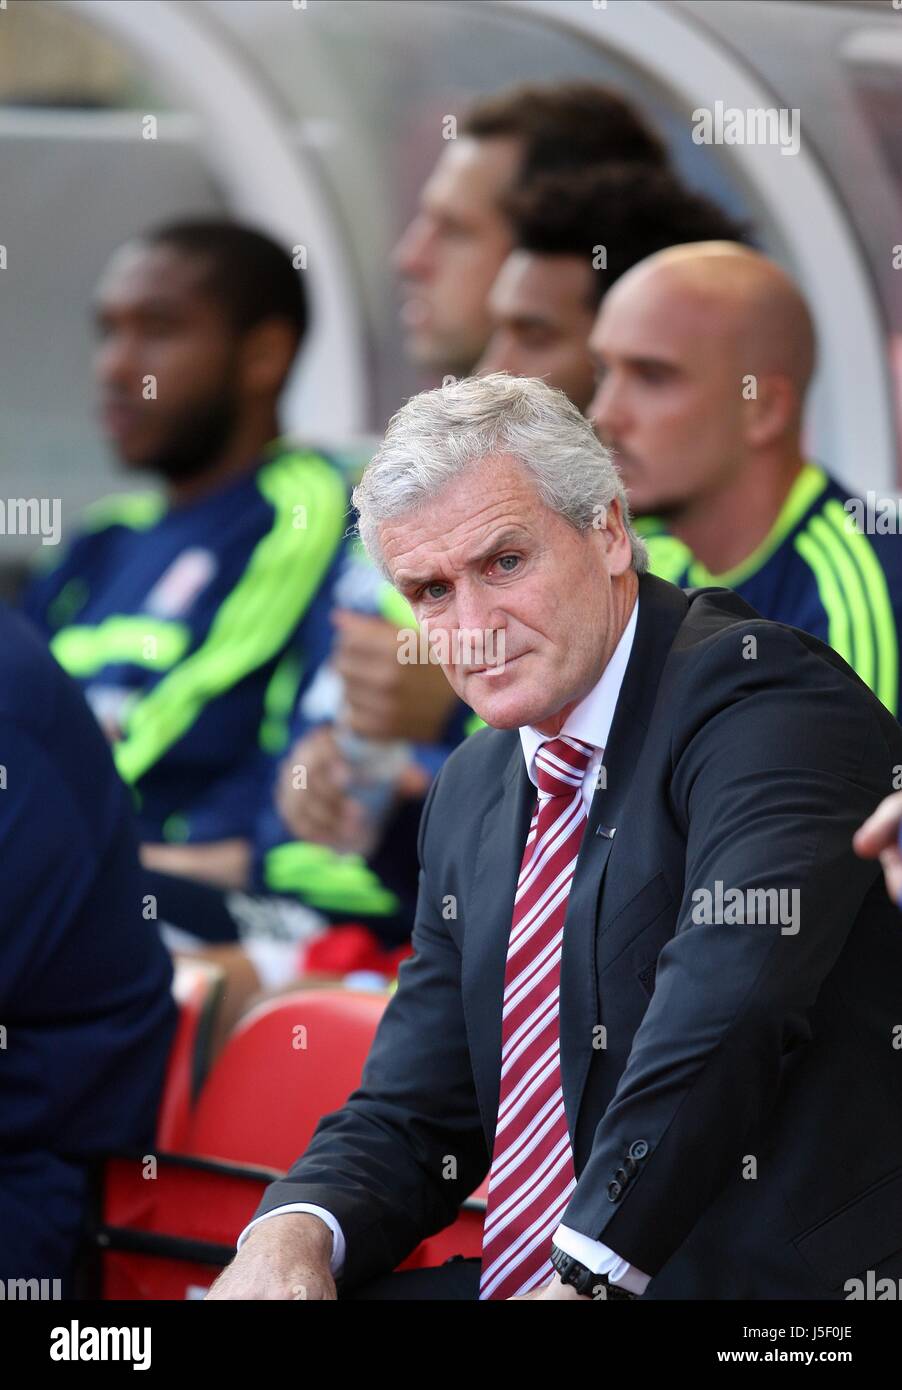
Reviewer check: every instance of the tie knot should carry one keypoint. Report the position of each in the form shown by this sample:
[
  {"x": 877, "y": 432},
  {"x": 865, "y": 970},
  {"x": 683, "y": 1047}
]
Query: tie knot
[{"x": 561, "y": 765}]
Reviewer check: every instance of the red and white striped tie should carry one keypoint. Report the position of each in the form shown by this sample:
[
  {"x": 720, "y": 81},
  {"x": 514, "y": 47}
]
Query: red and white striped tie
[{"x": 532, "y": 1176}]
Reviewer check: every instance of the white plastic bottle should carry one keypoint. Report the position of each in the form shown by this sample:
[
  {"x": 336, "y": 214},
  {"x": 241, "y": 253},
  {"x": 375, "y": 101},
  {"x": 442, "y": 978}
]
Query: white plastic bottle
[{"x": 376, "y": 764}]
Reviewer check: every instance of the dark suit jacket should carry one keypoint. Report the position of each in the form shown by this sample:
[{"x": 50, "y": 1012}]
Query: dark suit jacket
[{"x": 737, "y": 1126}]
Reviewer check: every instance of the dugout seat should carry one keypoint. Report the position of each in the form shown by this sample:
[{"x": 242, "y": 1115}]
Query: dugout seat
[
  {"x": 288, "y": 1062},
  {"x": 197, "y": 987}
]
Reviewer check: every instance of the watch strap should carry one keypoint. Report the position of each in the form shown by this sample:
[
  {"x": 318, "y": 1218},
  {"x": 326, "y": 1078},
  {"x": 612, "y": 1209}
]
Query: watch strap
[{"x": 584, "y": 1280}]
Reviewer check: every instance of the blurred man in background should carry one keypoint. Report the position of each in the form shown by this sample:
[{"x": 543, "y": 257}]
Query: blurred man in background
[
  {"x": 575, "y": 234},
  {"x": 450, "y": 253},
  {"x": 704, "y": 357},
  {"x": 191, "y": 616},
  {"x": 86, "y": 1013}
]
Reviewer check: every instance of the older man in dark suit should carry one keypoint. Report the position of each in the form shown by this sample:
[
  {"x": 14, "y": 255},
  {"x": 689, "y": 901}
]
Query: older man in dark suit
[{"x": 654, "y": 991}]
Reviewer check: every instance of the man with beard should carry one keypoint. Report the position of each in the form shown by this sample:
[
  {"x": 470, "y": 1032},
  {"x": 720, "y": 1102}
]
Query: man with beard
[{"x": 192, "y": 616}]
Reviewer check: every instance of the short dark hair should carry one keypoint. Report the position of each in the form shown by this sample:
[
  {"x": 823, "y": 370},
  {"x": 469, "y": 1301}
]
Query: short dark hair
[
  {"x": 249, "y": 273},
  {"x": 564, "y": 125},
  {"x": 629, "y": 209}
]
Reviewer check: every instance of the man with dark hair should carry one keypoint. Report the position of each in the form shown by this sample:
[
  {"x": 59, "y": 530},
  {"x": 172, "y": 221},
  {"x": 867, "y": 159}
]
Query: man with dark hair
[
  {"x": 452, "y": 250},
  {"x": 252, "y": 276},
  {"x": 191, "y": 615},
  {"x": 565, "y": 125},
  {"x": 575, "y": 234}
]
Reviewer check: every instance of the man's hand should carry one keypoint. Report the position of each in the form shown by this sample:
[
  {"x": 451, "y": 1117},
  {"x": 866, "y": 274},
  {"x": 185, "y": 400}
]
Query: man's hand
[
  {"x": 224, "y": 863},
  {"x": 286, "y": 1257},
  {"x": 878, "y": 838},
  {"x": 387, "y": 698},
  {"x": 319, "y": 811},
  {"x": 554, "y": 1291}
]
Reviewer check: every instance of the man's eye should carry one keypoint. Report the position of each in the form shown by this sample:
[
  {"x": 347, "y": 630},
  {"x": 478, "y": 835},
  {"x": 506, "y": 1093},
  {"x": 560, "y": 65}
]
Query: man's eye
[
  {"x": 515, "y": 558},
  {"x": 536, "y": 338},
  {"x": 455, "y": 231},
  {"x": 427, "y": 592},
  {"x": 159, "y": 327}
]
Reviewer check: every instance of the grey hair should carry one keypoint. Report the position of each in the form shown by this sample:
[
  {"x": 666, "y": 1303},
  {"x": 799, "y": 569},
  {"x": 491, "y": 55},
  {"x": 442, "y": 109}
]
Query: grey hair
[{"x": 439, "y": 433}]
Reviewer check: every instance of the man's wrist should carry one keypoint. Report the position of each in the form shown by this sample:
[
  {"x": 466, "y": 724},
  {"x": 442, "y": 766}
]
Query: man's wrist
[
  {"x": 595, "y": 1255},
  {"x": 302, "y": 1227}
]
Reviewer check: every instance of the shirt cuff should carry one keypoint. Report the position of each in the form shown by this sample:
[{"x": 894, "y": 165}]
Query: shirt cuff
[
  {"x": 338, "y": 1239},
  {"x": 601, "y": 1259}
]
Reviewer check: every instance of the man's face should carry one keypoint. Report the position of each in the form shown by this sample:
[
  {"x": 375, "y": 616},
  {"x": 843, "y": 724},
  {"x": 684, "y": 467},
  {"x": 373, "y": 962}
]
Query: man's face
[
  {"x": 451, "y": 253},
  {"x": 669, "y": 394},
  {"x": 156, "y": 321},
  {"x": 542, "y": 313},
  {"x": 487, "y": 558}
]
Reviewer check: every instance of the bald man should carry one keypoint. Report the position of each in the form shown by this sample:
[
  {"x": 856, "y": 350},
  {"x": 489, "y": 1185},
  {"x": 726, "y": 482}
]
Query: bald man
[{"x": 704, "y": 355}]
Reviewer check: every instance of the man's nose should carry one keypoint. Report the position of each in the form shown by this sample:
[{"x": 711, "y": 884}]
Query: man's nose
[
  {"x": 497, "y": 357},
  {"x": 116, "y": 362},
  {"x": 476, "y": 617},
  {"x": 412, "y": 254},
  {"x": 606, "y": 411}
]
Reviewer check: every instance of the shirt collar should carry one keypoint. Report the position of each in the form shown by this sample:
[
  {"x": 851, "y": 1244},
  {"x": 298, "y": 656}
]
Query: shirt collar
[{"x": 592, "y": 718}]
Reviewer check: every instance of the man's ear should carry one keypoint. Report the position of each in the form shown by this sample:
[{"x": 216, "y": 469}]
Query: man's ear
[
  {"x": 267, "y": 353},
  {"x": 617, "y": 542},
  {"x": 771, "y": 412}
]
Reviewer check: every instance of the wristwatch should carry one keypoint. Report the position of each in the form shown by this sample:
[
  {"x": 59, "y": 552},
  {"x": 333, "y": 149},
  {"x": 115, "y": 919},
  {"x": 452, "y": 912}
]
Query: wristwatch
[{"x": 585, "y": 1280}]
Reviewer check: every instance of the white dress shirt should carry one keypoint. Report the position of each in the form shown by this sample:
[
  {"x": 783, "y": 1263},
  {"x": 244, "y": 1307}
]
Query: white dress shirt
[{"x": 590, "y": 721}]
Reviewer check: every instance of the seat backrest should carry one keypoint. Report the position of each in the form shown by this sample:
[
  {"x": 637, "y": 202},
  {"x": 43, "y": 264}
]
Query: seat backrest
[
  {"x": 197, "y": 988},
  {"x": 290, "y": 1061}
]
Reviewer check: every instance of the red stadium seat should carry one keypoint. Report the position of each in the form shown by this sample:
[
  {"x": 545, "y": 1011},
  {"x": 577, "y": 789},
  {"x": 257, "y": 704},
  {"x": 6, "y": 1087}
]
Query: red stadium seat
[
  {"x": 167, "y": 1237},
  {"x": 290, "y": 1061},
  {"x": 286, "y": 1064},
  {"x": 197, "y": 986}
]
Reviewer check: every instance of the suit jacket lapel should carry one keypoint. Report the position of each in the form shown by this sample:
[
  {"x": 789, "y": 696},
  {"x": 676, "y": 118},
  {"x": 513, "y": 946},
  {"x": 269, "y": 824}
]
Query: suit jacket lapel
[{"x": 662, "y": 608}]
